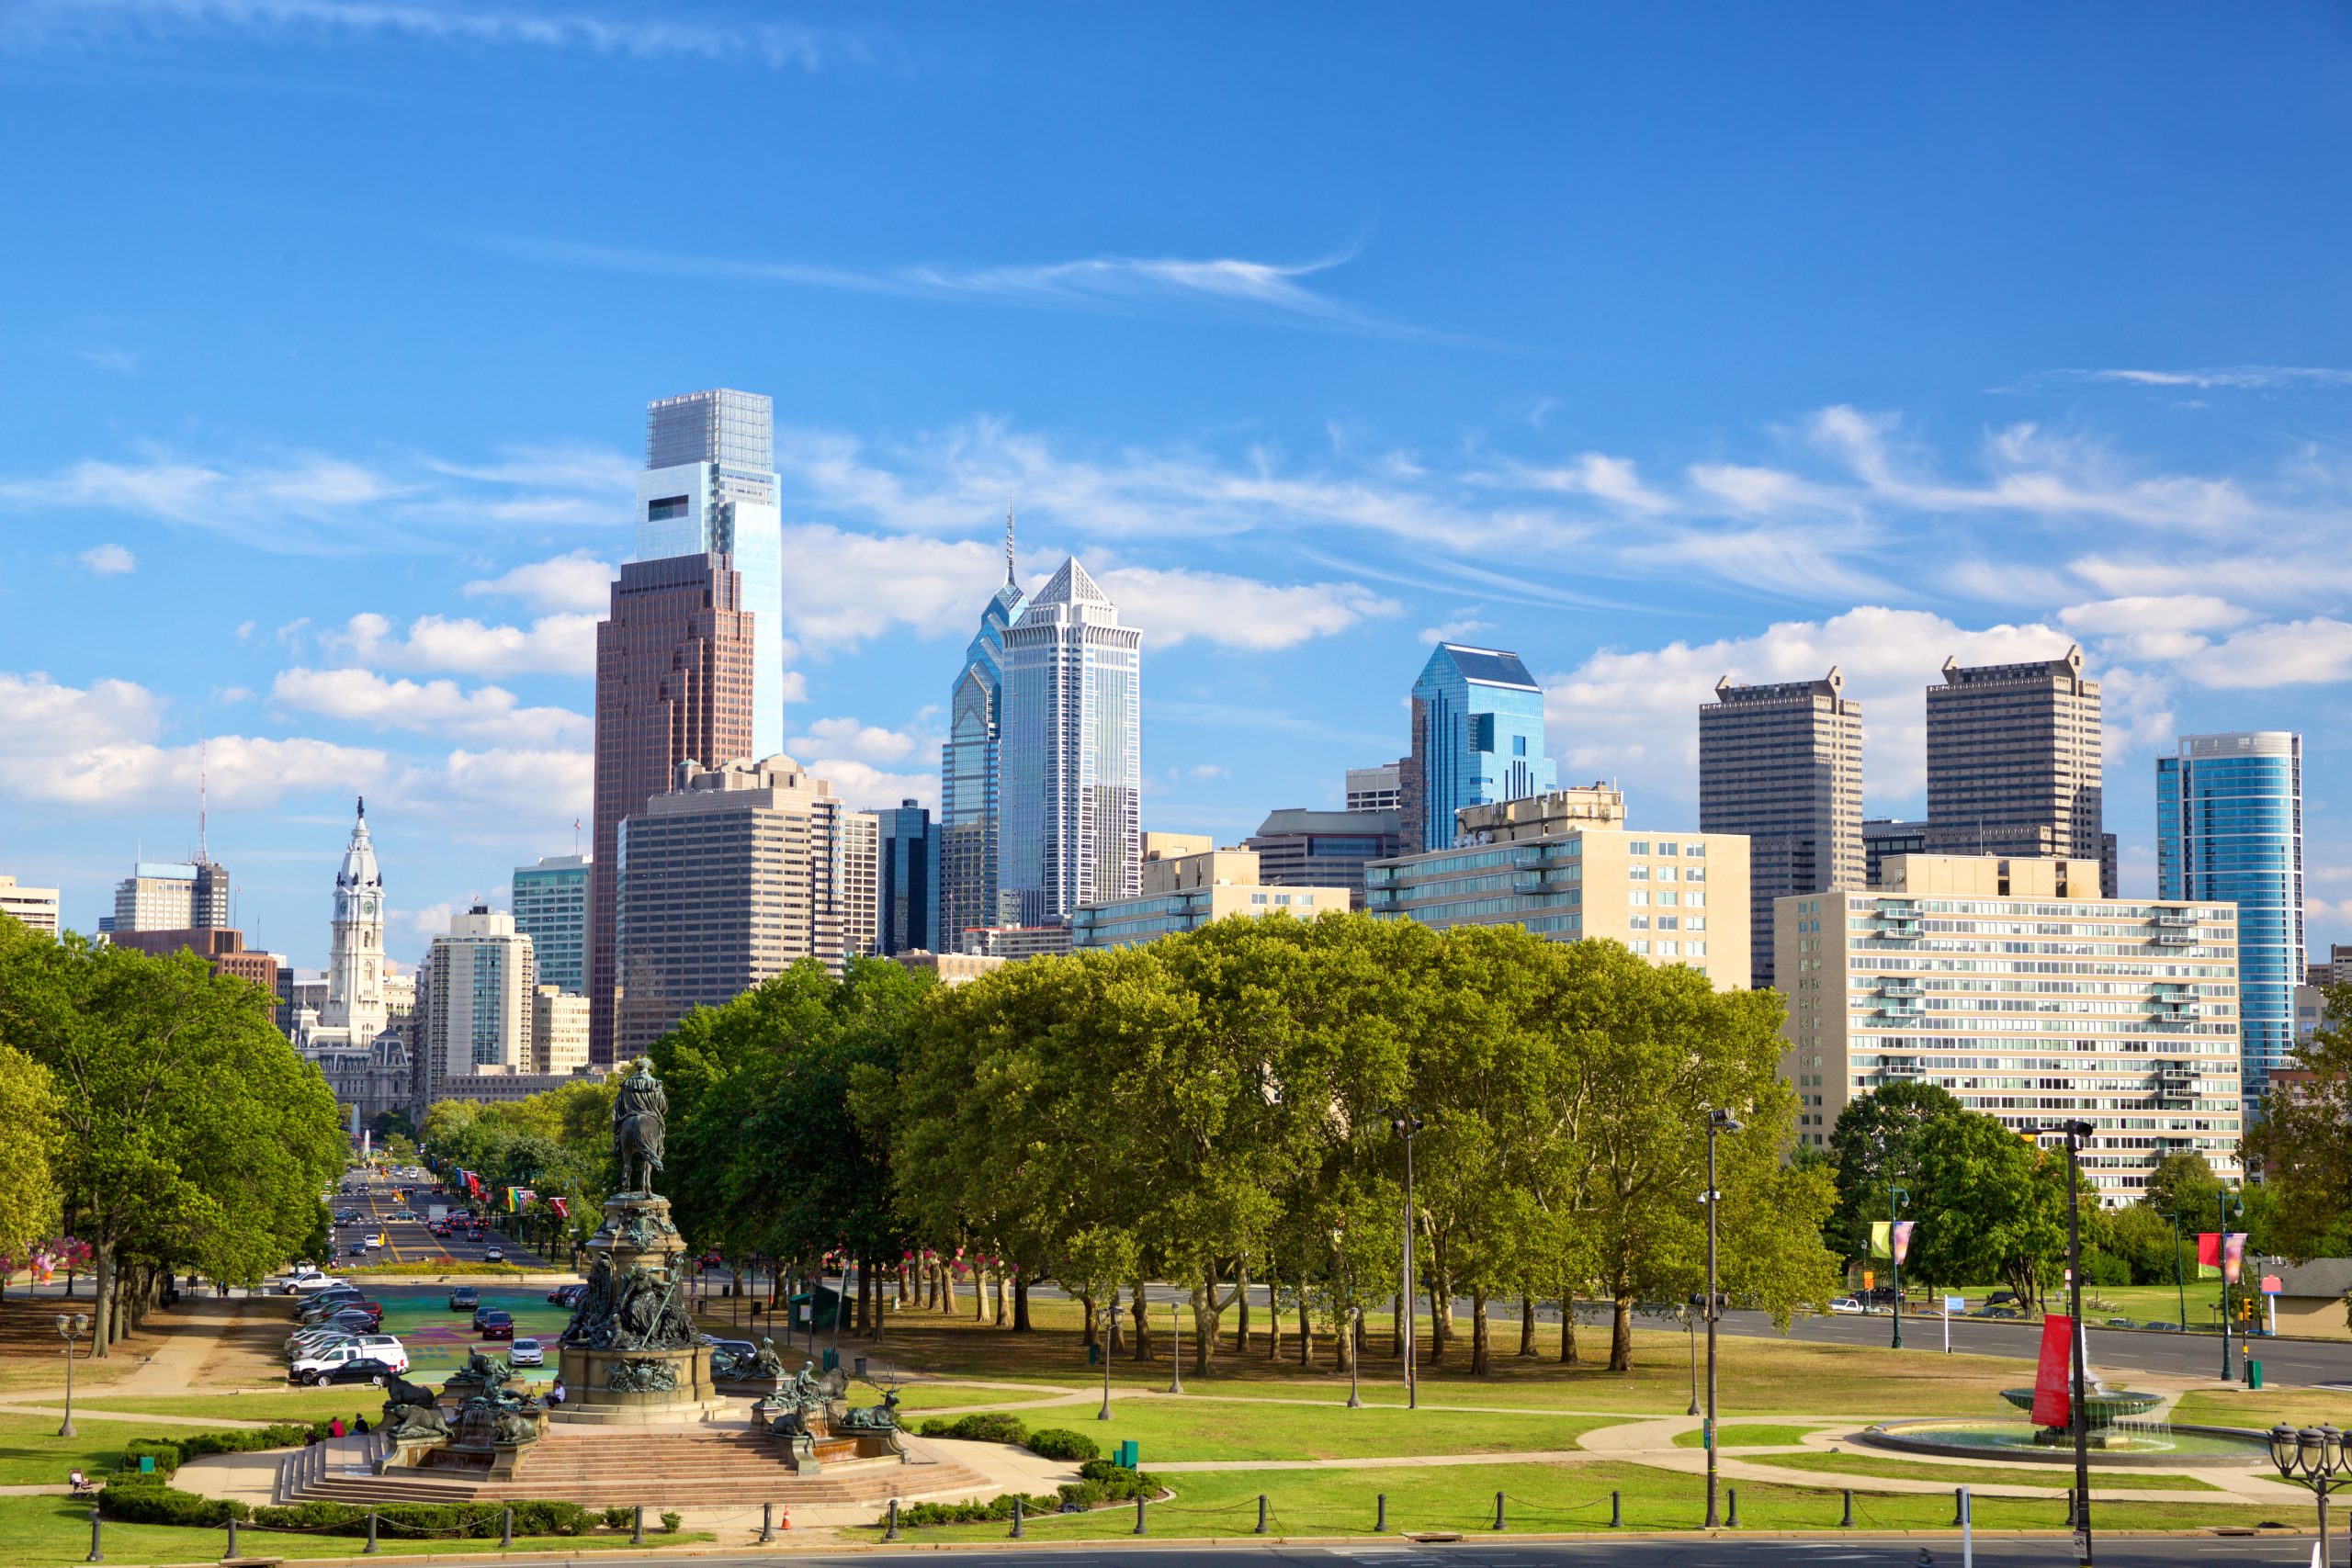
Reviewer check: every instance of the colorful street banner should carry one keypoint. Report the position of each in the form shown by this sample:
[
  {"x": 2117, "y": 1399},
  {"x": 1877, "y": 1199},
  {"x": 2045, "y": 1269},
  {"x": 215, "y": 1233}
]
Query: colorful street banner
[
  {"x": 2054, "y": 1401},
  {"x": 2208, "y": 1255},
  {"x": 563, "y": 1208},
  {"x": 1902, "y": 1239},
  {"x": 1891, "y": 1238},
  {"x": 2232, "y": 1257}
]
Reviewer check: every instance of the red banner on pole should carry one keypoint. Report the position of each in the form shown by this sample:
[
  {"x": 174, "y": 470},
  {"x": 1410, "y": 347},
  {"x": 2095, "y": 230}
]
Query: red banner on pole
[{"x": 2053, "y": 1403}]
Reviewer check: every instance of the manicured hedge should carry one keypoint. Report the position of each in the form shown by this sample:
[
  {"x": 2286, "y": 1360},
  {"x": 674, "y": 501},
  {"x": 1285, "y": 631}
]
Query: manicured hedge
[
  {"x": 170, "y": 1453},
  {"x": 147, "y": 1500},
  {"x": 1060, "y": 1442},
  {"x": 532, "y": 1517},
  {"x": 992, "y": 1427},
  {"x": 1104, "y": 1483}
]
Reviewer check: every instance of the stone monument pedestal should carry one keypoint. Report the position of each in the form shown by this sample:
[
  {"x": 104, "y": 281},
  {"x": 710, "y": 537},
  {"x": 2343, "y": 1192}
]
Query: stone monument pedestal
[{"x": 607, "y": 1379}]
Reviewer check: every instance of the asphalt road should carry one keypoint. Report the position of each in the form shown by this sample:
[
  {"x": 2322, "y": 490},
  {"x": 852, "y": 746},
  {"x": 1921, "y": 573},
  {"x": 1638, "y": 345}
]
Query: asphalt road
[
  {"x": 1865, "y": 1551},
  {"x": 408, "y": 1241}
]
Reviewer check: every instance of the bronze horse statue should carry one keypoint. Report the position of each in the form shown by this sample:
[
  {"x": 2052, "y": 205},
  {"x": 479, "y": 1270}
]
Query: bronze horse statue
[{"x": 638, "y": 1112}]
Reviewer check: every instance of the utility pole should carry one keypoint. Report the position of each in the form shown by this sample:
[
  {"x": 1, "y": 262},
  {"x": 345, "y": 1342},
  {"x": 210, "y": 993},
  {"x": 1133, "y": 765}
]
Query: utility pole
[
  {"x": 1717, "y": 1122},
  {"x": 2077, "y": 1133}
]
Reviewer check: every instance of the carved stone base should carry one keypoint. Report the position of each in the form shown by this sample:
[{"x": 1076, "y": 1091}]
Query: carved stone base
[{"x": 588, "y": 1390}]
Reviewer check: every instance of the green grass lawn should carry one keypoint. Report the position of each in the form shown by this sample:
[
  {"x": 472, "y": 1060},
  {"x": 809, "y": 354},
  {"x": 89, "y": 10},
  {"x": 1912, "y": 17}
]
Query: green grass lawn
[
  {"x": 33, "y": 1454},
  {"x": 45, "y": 1532},
  {"x": 345, "y": 1400},
  {"x": 928, "y": 1398},
  {"x": 2263, "y": 1409},
  {"x": 1170, "y": 1429},
  {"x": 1980, "y": 1475},
  {"x": 1760, "y": 1435},
  {"x": 1551, "y": 1498}
]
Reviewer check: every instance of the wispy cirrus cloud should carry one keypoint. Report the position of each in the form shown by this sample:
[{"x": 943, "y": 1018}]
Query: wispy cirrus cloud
[
  {"x": 2233, "y": 378},
  {"x": 665, "y": 33}
]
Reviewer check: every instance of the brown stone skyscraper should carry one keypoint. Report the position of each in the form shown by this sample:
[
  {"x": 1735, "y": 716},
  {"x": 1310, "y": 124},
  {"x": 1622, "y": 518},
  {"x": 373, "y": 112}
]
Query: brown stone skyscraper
[
  {"x": 2013, "y": 763},
  {"x": 673, "y": 685}
]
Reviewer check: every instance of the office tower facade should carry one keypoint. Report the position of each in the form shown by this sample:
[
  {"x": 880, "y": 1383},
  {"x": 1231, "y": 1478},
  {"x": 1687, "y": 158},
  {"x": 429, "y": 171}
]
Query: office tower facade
[
  {"x": 37, "y": 908},
  {"x": 558, "y": 1031},
  {"x": 673, "y": 685},
  {"x": 222, "y": 949},
  {"x": 480, "y": 985},
  {"x": 1184, "y": 893},
  {"x": 2014, "y": 763},
  {"x": 969, "y": 764},
  {"x": 742, "y": 871},
  {"x": 857, "y": 873},
  {"x": 550, "y": 901},
  {"x": 2230, "y": 825},
  {"x": 2034, "y": 1001},
  {"x": 1376, "y": 789},
  {"x": 2336, "y": 969},
  {"x": 1572, "y": 878},
  {"x": 1783, "y": 764},
  {"x": 1477, "y": 737},
  {"x": 1325, "y": 849},
  {"x": 1884, "y": 837},
  {"x": 709, "y": 489},
  {"x": 158, "y": 896},
  {"x": 1071, "y": 764},
  {"x": 909, "y": 916}
]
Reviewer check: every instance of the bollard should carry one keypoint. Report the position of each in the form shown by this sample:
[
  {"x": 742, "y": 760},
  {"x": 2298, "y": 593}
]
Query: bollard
[
  {"x": 1616, "y": 1510},
  {"x": 767, "y": 1523},
  {"x": 636, "y": 1537},
  {"x": 892, "y": 1533},
  {"x": 371, "y": 1530},
  {"x": 1848, "y": 1522},
  {"x": 1379, "y": 1520},
  {"x": 95, "y": 1555},
  {"x": 1139, "y": 1525},
  {"x": 1959, "y": 1509},
  {"x": 1016, "y": 1516},
  {"x": 2070, "y": 1507},
  {"x": 1730, "y": 1513},
  {"x": 505, "y": 1528},
  {"x": 1261, "y": 1513},
  {"x": 1498, "y": 1510},
  {"x": 232, "y": 1537}
]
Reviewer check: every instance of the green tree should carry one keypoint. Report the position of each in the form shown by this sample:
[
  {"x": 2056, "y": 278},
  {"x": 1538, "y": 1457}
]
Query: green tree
[
  {"x": 2185, "y": 1185},
  {"x": 1990, "y": 1205},
  {"x": 1877, "y": 1134},
  {"x": 2302, "y": 1142},
  {"x": 29, "y": 1147}
]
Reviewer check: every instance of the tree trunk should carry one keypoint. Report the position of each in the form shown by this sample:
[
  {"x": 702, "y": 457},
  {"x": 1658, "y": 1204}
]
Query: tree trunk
[
  {"x": 1482, "y": 1338},
  {"x": 1205, "y": 1315},
  {"x": 102, "y": 1270},
  {"x": 931, "y": 1285},
  {"x": 1621, "y": 1334},
  {"x": 1306, "y": 1329},
  {"x": 1396, "y": 1327},
  {"x": 1567, "y": 1328},
  {"x": 1241, "y": 1322},
  {"x": 946, "y": 1289},
  {"x": 1021, "y": 1324},
  {"x": 1441, "y": 1319},
  {"x": 1273, "y": 1323},
  {"x": 1142, "y": 1311},
  {"x": 1527, "y": 1323},
  {"x": 1004, "y": 1302},
  {"x": 1093, "y": 1329}
]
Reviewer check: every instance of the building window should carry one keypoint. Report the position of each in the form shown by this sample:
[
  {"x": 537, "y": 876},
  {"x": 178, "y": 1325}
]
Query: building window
[{"x": 667, "y": 507}]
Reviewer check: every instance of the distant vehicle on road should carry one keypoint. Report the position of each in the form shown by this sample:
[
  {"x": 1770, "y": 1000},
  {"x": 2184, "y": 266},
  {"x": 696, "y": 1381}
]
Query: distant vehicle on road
[
  {"x": 526, "y": 1353},
  {"x": 566, "y": 1295},
  {"x": 359, "y": 1369},
  {"x": 495, "y": 1324},
  {"x": 497, "y": 1255},
  {"x": 306, "y": 1285},
  {"x": 465, "y": 1298},
  {"x": 1846, "y": 1306}
]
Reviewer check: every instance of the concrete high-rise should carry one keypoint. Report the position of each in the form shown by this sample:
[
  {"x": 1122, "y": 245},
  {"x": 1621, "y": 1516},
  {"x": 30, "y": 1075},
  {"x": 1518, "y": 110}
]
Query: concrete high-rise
[
  {"x": 908, "y": 858},
  {"x": 968, "y": 770},
  {"x": 709, "y": 488},
  {"x": 2013, "y": 762},
  {"x": 37, "y": 907},
  {"x": 1380, "y": 788},
  {"x": 1297, "y": 848},
  {"x": 743, "y": 870},
  {"x": 481, "y": 984},
  {"x": 673, "y": 685},
  {"x": 550, "y": 902},
  {"x": 1783, "y": 764},
  {"x": 2230, "y": 826},
  {"x": 1477, "y": 738},
  {"x": 2013, "y": 984},
  {"x": 1071, "y": 764}
]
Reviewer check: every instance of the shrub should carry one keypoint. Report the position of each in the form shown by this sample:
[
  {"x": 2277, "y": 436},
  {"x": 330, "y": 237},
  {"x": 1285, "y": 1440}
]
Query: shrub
[
  {"x": 145, "y": 1500},
  {"x": 994, "y": 1427},
  {"x": 170, "y": 1453},
  {"x": 1101, "y": 1482},
  {"x": 975, "y": 1513},
  {"x": 670, "y": 1523},
  {"x": 532, "y": 1517},
  {"x": 1060, "y": 1442},
  {"x": 618, "y": 1518},
  {"x": 165, "y": 1452}
]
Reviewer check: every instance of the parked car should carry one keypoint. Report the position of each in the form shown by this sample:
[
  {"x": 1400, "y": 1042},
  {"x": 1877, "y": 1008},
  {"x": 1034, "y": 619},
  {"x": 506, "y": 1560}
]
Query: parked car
[
  {"x": 526, "y": 1352},
  {"x": 326, "y": 1303},
  {"x": 306, "y": 1284},
  {"x": 497, "y": 1325},
  {"x": 314, "y": 1368},
  {"x": 483, "y": 1314},
  {"x": 731, "y": 1346},
  {"x": 1847, "y": 1307},
  {"x": 359, "y": 1369},
  {"x": 465, "y": 1298},
  {"x": 368, "y": 1316},
  {"x": 493, "y": 1255},
  {"x": 566, "y": 1295}
]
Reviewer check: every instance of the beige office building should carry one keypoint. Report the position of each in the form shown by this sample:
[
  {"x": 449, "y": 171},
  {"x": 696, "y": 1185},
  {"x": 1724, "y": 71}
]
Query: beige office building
[
  {"x": 2013, "y": 763},
  {"x": 1782, "y": 765},
  {"x": 949, "y": 968},
  {"x": 479, "y": 983},
  {"x": 559, "y": 1030},
  {"x": 1185, "y": 892},
  {"x": 1563, "y": 865},
  {"x": 35, "y": 906},
  {"x": 742, "y": 871},
  {"x": 2014, "y": 985}
]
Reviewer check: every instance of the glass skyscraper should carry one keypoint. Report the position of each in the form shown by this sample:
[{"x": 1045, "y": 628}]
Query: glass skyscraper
[
  {"x": 1071, "y": 766},
  {"x": 551, "y": 908},
  {"x": 2230, "y": 825},
  {"x": 967, "y": 772},
  {"x": 908, "y": 866},
  {"x": 709, "y": 488},
  {"x": 1477, "y": 738}
]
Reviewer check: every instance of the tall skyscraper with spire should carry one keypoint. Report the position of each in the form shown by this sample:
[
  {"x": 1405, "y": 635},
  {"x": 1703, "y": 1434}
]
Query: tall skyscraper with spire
[
  {"x": 1070, "y": 831},
  {"x": 967, "y": 768},
  {"x": 709, "y": 488}
]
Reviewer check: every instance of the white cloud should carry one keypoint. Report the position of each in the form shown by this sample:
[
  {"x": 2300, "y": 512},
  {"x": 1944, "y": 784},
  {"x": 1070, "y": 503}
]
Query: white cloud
[
  {"x": 2239, "y": 378},
  {"x": 1235, "y": 612},
  {"x": 2144, "y": 613},
  {"x": 120, "y": 361},
  {"x": 935, "y": 586},
  {"x": 441, "y": 707},
  {"x": 533, "y": 791},
  {"x": 868, "y": 788},
  {"x": 2279, "y": 654},
  {"x": 107, "y": 560},
  {"x": 562, "y": 644},
  {"x": 836, "y": 738},
  {"x": 574, "y": 581},
  {"x": 1455, "y": 631}
]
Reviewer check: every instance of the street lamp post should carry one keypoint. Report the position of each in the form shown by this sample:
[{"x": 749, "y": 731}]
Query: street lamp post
[
  {"x": 1354, "y": 1329},
  {"x": 1718, "y": 1121},
  {"x": 2077, "y": 1134},
  {"x": 1406, "y": 1124},
  {"x": 1110, "y": 1322},
  {"x": 1176, "y": 1360},
  {"x": 1690, "y": 1342},
  {"x": 70, "y": 1329},
  {"x": 1895, "y": 1195},
  {"x": 2313, "y": 1457},
  {"x": 2222, "y": 1202}
]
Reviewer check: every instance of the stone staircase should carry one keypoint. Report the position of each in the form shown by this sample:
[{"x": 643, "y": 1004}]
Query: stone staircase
[{"x": 696, "y": 1467}]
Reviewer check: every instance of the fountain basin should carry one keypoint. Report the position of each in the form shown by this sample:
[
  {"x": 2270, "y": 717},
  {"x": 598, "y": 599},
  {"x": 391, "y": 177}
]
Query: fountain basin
[
  {"x": 2118, "y": 1446},
  {"x": 2107, "y": 1405}
]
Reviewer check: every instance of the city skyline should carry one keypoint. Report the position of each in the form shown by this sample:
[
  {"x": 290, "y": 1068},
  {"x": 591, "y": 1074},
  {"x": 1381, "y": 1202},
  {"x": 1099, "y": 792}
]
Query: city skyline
[{"x": 340, "y": 483}]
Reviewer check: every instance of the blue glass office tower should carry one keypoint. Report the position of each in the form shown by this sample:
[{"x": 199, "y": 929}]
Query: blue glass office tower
[
  {"x": 1477, "y": 738},
  {"x": 909, "y": 880},
  {"x": 967, "y": 772},
  {"x": 550, "y": 902},
  {"x": 2230, "y": 826}
]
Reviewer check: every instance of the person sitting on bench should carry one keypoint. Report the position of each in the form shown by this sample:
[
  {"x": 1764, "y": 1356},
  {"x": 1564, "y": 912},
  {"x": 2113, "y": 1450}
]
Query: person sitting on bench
[{"x": 83, "y": 1485}]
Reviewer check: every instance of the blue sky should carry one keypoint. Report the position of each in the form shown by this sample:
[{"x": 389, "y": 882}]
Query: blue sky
[{"x": 1654, "y": 343}]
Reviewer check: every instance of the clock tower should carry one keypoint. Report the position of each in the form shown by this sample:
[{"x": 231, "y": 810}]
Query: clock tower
[{"x": 355, "y": 964}]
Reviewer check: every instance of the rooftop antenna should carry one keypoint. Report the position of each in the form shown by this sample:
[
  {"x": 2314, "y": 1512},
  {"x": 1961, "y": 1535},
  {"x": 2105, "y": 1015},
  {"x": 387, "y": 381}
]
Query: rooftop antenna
[
  {"x": 575, "y": 838},
  {"x": 1008, "y": 542},
  {"x": 203, "y": 755}
]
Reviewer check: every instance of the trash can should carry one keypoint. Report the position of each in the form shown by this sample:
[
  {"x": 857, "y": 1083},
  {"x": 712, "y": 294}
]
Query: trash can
[
  {"x": 1130, "y": 1455},
  {"x": 860, "y": 1364},
  {"x": 1094, "y": 1355}
]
